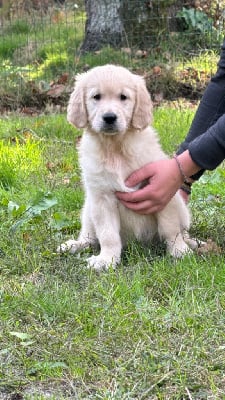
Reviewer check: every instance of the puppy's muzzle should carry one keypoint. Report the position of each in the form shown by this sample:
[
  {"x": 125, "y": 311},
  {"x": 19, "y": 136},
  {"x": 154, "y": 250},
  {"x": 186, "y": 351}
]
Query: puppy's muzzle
[{"x": 110, "y": 122}]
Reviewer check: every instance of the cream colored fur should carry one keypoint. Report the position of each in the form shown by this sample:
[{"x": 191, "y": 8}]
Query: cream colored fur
[{"x": 109, "y": 152}]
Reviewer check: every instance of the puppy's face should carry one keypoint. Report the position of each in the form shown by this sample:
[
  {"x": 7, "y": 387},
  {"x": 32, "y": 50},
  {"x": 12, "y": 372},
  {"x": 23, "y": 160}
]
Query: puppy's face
[
  {"x": 110, "y": 100},
  {"x": 110, "y": 106}
]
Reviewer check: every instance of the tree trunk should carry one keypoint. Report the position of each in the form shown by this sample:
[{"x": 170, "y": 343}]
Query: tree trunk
[
  {"x": 103, "y": 25},
  {"x": 124, "y": 23}
]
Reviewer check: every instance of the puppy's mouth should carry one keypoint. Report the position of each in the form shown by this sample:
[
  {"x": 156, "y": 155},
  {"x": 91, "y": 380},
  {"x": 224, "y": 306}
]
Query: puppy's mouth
[
  {"x": 109, "y": 124},
  {"x": 109, "y": 130}
]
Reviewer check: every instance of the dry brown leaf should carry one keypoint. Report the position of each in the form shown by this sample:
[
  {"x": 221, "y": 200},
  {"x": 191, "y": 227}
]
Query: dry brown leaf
[
  {"x": 58, "y": 16},
  {"x": 56, "y": 90},
  {"x": 209, "y": 247},
  {"x": 156, "y": 70},
  {"x": 29, "y": 111},
  {"x": 50, "y": 165},
  {"x": 63, "y": 78}
]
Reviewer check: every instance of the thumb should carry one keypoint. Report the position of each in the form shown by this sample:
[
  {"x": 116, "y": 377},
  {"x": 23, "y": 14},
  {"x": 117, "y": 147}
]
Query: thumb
[{"x": 139, "y": 175}]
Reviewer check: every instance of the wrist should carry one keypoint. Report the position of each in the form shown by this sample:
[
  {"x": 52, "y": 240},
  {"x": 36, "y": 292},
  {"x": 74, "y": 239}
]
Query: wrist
[
  {"x": 186, "y": 166},
  {"x": 184, "y": 177}
]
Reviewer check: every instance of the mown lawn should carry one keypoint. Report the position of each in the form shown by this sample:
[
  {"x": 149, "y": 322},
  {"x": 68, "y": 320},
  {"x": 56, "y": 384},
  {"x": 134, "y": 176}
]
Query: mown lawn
[{"x": 151, "y": 329}]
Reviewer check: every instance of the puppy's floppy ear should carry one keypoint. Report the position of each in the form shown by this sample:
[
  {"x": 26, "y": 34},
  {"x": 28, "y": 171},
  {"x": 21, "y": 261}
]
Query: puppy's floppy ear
[
  {"x": 76, "y": 110},
  {"x": 142, "y": 115}
]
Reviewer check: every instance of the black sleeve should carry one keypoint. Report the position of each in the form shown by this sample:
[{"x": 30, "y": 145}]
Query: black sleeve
[
  {"x": 208, "y": 149},
  {"x": 211, "y": 108}
]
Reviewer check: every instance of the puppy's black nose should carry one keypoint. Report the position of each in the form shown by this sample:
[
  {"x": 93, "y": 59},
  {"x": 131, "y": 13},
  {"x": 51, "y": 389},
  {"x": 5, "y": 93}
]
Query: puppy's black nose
[{"x": 109, "y": 118}]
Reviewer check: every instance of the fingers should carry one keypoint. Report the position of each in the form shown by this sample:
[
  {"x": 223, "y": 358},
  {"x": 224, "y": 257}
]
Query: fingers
[
  {"x": 143, "y": 208},
  {"x": 141, "y": 201},
  {"x": 134, "y": 197},
  {"x": 140, "y": 175}
]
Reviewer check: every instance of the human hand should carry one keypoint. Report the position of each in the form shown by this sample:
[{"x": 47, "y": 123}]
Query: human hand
[{"x": 163, "y": 180}]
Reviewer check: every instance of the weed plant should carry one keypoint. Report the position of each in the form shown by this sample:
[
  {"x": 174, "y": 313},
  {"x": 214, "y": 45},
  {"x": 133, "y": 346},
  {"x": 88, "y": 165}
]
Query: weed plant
[{"x": 151, "y": 329}]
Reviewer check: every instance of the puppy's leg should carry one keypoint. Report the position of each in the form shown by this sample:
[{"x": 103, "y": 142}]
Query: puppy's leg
[
  {"x": 171, "y": 224},
  {"x": 106, "y": 219},
  {"x": 87, "y": 236}
]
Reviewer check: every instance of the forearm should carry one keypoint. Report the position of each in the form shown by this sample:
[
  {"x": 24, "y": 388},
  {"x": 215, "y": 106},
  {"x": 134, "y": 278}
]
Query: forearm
[{"x": 208, "y": 150}]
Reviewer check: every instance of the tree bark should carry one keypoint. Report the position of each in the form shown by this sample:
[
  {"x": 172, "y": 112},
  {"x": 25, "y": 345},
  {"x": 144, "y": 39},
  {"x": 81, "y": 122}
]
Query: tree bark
[
  {"x": 124, "y": 23},
  {"x": 103, "y": 25}
]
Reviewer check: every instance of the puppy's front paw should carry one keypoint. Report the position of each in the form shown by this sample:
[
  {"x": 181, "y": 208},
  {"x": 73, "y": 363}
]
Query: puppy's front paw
[
  {"x": 99, "y": 263},
  {"x": 70, "y": 246},
  {"x": 179, "y": 250}
]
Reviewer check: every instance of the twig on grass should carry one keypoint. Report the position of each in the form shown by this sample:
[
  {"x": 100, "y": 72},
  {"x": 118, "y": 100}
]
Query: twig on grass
[
  {"x": 155, "y": 384},
  {"x": 188, "y": 393}
]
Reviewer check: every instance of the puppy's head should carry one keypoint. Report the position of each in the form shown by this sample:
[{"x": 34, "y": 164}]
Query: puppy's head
[{"x": 110, "y": 100}]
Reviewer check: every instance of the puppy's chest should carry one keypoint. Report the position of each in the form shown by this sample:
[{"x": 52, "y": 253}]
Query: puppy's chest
[{"x": 106, "y": 174}]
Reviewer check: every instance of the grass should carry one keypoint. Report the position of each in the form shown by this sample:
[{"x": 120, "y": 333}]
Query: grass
[{"x": 151, "y": 329}]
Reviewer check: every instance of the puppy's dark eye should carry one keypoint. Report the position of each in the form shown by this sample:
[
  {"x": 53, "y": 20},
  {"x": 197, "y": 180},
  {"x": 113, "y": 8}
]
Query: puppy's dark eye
[
  {"x": 97, "y": 96},
  {"x": 123, "y": 97}
]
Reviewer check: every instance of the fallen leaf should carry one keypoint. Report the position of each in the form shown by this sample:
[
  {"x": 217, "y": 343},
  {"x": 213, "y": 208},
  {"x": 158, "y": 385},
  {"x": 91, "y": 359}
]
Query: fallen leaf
[
  {"x": 29, "y": 111},
  {"x": 209, "y": 247},
  {"x": 156, "y": 70},
  {"x": 27, "y": 134},
  {"x": 58, "y": 16},
  {"x": 50, "y": 165},
  {"x": 63, "y": 78},
  {"x": 56, "y": 90},
  {"x": 26, "y": 237}
]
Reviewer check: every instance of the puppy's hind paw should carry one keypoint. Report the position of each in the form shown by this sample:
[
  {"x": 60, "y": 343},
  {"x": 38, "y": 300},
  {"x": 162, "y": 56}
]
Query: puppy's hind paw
[
  {"x": 179, "y": 253},
  {"x": 70, "y": 246}
]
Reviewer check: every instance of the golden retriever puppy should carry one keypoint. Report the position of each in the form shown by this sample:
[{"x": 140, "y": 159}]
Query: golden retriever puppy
[{"x": 115, "y": 110}]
